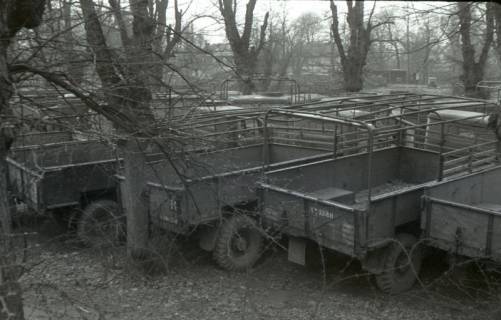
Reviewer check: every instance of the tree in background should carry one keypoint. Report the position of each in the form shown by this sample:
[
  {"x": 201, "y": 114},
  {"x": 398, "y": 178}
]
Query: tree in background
[
  {"x": 473, "y": 69},
  {"x": 127, "y": 69},
  {"x": 496, "y": 10},
  {"x": 245, "y": 55},
  {"x": 14, "y": 15},
  {"x": 306, "y": 29},
  {"x": 353, "y": 60},
  {"x": 289, "y": 47},
  {"x": 128, "y": 97},
  {"x": 165, "y": 36},
  {"x": 74, "y": 67},
  {"x": 387, "y": 51}
]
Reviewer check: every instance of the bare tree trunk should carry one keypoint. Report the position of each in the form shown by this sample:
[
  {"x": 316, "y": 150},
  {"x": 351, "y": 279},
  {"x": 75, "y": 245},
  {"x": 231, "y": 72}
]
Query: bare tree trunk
[
  {"x": 128, "y": 100},
  {"x": 134, "y": 201},
  {"x": 244, "y": 55},
  {"x": 397, "y": 54},
  {"x": 14, "y": 15},
  {"x": 353, "y": 70},
  {"x": 6, "y": 221},
  {"x": 497, "y": 19},
  {"x": 5, "y": 138},
  {"x": 333, "y": 57},
  {"x": 162, "y": 40},
  {"x": 128, "y": 93},
  {"x": 473, "y": 71},
  {"x": 73, "y": 66},
  {"x": 354, "y": 59},
  {"x": 245, "y": 69}
]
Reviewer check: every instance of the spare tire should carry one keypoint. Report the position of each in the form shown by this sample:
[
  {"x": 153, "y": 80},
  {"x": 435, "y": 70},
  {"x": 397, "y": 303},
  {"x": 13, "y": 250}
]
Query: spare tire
[
  {"x": 239, "y": 243},
  {"x": 102, "y": 224},
  {"x": 402, "y": 263}
]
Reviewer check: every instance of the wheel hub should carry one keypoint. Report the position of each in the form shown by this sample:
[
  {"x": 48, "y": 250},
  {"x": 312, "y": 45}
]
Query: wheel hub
[{"x": 241, "y": 243}]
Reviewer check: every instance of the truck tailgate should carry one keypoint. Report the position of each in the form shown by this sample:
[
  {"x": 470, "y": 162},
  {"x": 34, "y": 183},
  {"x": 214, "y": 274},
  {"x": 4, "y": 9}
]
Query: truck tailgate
[
  {"x": 24, "y": 182},
  {"x": 463, "y": 215},
  {"x": 165, "y": 206},
  {"x": 473, "y": 231},
  {"x": 331, "y": 224}
]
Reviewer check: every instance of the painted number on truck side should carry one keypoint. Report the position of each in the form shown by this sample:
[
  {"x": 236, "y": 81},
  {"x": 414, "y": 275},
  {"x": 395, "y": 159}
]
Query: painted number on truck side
[
  {"x": 167, "y": 211},
  {"x": 319, "y": 212},
  {"x": 173, "y": 204}
]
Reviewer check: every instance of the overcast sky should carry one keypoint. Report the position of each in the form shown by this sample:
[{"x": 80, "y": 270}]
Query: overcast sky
[{"x": 213, "y": 31}]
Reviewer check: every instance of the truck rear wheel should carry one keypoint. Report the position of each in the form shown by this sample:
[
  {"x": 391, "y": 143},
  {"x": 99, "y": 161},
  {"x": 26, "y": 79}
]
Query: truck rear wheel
[
  {"x": 102, "y": 224},
  {"x": 401, "y": 266},
  {"x": 239, "y": 244}
]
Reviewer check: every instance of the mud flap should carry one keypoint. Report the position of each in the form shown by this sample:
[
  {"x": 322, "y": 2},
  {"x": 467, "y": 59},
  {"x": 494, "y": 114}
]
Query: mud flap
[{"x": 297, "y": 250}]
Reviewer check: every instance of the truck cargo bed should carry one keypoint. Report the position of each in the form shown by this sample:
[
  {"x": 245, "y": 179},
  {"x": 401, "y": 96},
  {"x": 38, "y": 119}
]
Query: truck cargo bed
[
  {"x": 463, "y": 215},
  {"x": 59, "y": 174},
  {"x": 213, "y": 181},
  {"x": 328, "y": 201}
]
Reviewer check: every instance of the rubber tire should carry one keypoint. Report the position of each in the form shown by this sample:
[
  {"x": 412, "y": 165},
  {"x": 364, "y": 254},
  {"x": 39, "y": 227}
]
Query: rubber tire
[
  {"x": 222, "y": 251},
  {"x": 90, "y": 219},
  {"x": 389, "y": 281}
]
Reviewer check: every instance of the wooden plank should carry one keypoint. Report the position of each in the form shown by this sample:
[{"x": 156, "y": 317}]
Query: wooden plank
[
  {"x": 491, "y": 181},
  {"x": 448, "y": 222},
  {"x": 332, "y": 227},
  {"x": 335, "y": 194},
  {"x": 467, "y": 190}
]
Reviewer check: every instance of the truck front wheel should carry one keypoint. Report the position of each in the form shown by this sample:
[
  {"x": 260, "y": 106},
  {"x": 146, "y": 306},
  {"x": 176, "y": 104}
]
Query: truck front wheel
[
  {"x": 102, "y": 224},
  {"x": 239, "y": 244},
  {"x": 401, "y": 265}
]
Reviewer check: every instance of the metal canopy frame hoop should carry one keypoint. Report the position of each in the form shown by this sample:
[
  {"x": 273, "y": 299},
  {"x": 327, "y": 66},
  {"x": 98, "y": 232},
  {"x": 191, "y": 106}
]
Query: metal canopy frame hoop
[{"x": 315, "y": 116}]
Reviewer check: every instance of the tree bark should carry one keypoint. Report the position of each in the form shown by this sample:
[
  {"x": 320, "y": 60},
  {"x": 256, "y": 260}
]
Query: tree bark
[
  {"x": 128, "y": 93},
  {"x": 167, "y": 37},
  {"x": 353, "y": 74},
  {"x": 128, "y": 100},
  {"x": 133, "y": 198},
  {"x": 244, "y": 55},
  {"x": 354, "y": 59},
  {"x": 14, "y": 15},
  {"x": 473, "y": 71},
  {"x": 497, "y": 19},
  {"x": 74, "y": 68},
  {"x": 6, "y": 137}
]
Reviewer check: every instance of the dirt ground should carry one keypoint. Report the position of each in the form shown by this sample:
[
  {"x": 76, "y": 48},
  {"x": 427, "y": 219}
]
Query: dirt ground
[{"x": 68, "y": 281}]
